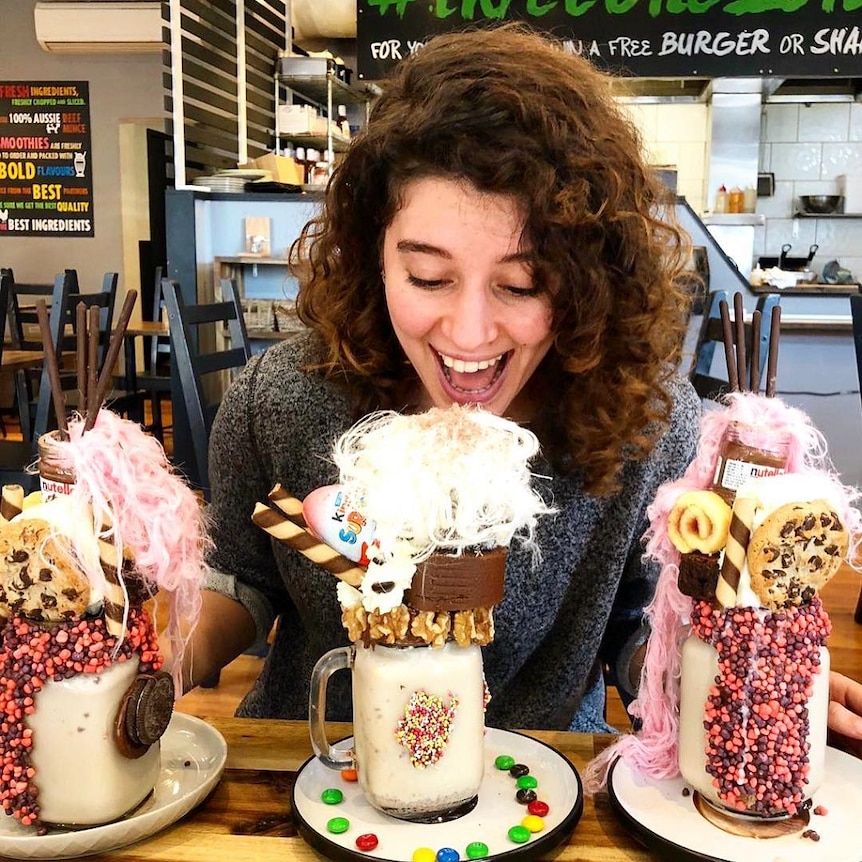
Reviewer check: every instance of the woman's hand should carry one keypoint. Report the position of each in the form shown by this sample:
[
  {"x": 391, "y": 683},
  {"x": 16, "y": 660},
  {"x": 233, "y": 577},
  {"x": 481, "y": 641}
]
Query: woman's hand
[{"x": 845, "y": 713}]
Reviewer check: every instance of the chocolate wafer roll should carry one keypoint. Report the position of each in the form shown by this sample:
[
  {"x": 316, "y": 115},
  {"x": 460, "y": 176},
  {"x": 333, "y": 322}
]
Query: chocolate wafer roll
[
  {"x": 288, "y": 504},
  {"x": 114, "y": 602},
  {"x": 11, "y": 502},
  {"x": 738, "y": 536},
  {"x": 284, "y": 530}
]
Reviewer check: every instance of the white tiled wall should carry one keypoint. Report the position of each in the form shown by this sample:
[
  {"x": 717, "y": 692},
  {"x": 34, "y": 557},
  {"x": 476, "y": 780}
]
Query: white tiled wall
[
  {"x": 806, "y": 147},
  {"x": 677, "y": 134}
]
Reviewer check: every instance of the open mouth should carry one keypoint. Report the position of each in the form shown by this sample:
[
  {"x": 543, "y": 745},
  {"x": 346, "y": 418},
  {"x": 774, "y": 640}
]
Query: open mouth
[{"x": 472, "y": 377}]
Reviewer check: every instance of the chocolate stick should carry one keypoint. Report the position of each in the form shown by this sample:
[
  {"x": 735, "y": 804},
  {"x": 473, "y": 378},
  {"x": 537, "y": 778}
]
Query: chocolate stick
[
  {"x": 727, "y": 332},
  {"x": 81, "y": 354},
  {"x": 53, "y": 368},
  {"x": 114, "y": 347},
  {"x": 772, "y": 362},
  {"x": 754, "y": 381},
  {"x": 90, "y": 406},
  {"x": 739, "y": 322}
]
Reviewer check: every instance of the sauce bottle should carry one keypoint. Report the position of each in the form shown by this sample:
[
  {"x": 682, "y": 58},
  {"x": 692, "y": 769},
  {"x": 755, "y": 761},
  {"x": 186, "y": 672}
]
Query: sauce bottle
[
  {"x": 721, "y": 199},
  {"x": 735, "y": 200},
  {"x": 342, "y": 122}
]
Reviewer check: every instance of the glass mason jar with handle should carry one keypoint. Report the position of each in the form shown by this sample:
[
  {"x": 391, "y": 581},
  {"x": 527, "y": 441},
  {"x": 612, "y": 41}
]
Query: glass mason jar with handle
[{"x": 418, "y": 726}]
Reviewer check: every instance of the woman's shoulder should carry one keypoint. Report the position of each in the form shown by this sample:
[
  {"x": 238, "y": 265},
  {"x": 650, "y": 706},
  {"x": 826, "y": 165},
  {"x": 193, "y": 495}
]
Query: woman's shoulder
[
  {"x": 679, "y": 439},
  {"x": 279, "y": 381}
]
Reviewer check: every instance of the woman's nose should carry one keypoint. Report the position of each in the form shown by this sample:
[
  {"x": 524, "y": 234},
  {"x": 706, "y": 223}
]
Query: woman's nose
[{"x": 470, "y": 321}]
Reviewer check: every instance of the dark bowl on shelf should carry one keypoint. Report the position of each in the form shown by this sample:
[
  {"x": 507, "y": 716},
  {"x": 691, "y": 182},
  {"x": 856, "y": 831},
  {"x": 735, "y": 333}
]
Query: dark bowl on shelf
[{"x": 821, "y": 203}]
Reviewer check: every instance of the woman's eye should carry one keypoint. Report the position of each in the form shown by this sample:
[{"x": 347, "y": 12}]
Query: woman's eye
[
  {"x": 426, "y": 283},
  {"x": 520, "y": 291}
]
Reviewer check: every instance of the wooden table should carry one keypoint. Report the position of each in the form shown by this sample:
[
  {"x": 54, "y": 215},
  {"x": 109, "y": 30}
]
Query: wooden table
[{"x": 247, "y": 818}]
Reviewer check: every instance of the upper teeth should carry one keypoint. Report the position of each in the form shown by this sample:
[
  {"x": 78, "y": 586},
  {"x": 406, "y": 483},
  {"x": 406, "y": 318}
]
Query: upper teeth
[{"x": 460, "y": 365}]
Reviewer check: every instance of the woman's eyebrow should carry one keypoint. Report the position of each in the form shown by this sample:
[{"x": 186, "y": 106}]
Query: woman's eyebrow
[{"x": 410, "y": 245}]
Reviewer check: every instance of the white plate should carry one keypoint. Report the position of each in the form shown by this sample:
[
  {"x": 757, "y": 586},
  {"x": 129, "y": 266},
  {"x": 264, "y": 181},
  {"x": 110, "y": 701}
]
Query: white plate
[
  {"x": 664, "y": 819},
  {"x": 193, "y": 757},
  {"x": 495, "y": 813},
  {"x": 247, "y": 173}
]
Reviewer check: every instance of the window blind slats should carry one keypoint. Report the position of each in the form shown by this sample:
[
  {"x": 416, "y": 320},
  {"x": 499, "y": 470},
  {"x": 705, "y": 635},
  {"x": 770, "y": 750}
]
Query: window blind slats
[{"x": 211, "y": 103}]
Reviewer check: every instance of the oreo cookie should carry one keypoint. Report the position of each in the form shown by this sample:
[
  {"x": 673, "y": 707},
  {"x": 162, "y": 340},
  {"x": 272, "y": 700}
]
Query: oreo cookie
[{"x": 144, "y": 713}]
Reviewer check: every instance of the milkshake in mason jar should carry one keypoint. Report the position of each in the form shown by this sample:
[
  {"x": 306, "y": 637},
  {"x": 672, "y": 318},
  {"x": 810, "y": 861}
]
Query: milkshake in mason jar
[
  {"x": 754, "y": 690},
  {"x": 83, "y": 691},
  {"x": 419, "y": 724},
  {"x": 426, "y": 509},
  {"x": 735, "y": 687}
]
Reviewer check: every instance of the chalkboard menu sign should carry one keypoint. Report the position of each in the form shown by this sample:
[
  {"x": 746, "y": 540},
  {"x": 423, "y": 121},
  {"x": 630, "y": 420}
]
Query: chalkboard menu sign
[
  {"x": 641, "y": 38},
  {"x": 46, "y": 183}
]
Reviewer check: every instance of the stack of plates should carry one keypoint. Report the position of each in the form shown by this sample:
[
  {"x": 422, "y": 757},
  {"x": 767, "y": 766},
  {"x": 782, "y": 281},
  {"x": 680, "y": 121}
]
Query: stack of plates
[{"x": 231, "y": 181}]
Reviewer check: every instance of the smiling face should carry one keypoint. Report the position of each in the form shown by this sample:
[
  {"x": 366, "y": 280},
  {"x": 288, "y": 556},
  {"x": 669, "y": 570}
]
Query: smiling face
[{"x": 461, "y": 296}]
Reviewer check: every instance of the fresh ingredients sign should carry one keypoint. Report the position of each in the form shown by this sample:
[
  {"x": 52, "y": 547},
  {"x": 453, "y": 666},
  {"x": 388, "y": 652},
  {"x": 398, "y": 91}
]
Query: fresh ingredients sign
[
  {"x": 46, "y": 184},
  {"x": 643, "y": 38}
]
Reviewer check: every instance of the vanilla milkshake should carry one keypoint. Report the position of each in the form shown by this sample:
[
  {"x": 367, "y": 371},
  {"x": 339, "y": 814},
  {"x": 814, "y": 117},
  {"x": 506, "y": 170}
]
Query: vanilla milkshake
[
  {"x": 419, "y": 723},
  {"x": 755, "y": 742},
  {"x": 74, "y": 733}
]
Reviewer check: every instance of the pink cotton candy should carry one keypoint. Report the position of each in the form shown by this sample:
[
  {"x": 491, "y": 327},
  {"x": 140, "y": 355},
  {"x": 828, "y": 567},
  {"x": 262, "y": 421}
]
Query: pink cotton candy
[
  {"x": 652, "y": 751},
  {"x": 124, "y": 474}
]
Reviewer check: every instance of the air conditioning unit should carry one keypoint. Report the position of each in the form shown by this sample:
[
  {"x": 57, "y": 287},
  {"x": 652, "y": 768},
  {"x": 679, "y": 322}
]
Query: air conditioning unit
[{"x": 99, "y": 26}]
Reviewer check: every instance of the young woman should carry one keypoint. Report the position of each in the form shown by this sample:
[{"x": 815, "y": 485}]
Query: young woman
[{"x": 492, "y": 237}]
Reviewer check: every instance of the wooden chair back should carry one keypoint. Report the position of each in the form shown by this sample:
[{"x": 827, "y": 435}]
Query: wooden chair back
[
  {"x": 160, "y": 345},
  {"x": 23, "y": 296},
  {"x": 196, "y": 361}
]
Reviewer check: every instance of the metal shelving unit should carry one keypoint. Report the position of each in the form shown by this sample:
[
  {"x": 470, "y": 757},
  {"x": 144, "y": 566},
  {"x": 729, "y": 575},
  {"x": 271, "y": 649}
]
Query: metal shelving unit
[{"x": 318, "y": 80}]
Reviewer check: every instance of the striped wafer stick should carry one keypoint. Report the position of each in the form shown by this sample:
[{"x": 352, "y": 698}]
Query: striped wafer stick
[
  {"x": 741, "y": 520},
  {"x": 115, "y": 596},
  {"x": 11, "y": 502},
  {"x": 288, "y": 504},
  {"x": 280, "y": 527}
]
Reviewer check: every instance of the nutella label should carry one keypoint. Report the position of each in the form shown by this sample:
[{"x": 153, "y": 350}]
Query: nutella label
[
  {"x": 51, "y": 488},
  {"x": 732, "y": 474}
]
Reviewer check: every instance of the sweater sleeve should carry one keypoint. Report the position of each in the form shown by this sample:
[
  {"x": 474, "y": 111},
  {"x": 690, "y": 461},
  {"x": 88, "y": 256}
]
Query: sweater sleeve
[
  {"x": 627, "y": 630},
  {"x": 242, "y": 560}
]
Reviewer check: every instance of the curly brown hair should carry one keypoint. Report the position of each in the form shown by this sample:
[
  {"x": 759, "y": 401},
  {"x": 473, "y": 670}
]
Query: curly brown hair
[{"x": 512, "y": 113}]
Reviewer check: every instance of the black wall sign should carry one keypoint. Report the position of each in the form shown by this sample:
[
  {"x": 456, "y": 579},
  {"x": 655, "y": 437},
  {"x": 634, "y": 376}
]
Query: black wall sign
[
  {"x": 642, "y": 38},
  {"x": 46, "y": 185}
]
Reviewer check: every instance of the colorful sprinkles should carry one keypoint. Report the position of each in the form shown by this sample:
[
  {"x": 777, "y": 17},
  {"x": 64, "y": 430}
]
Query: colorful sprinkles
[
  {"x": 424, "y": 730},
  {"x": 756, "y": 715},
  {"x": 32, "y": 655}
]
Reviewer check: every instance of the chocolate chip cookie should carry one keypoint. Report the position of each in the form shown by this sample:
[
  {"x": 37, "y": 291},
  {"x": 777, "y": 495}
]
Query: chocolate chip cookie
[
  {"x": 796, "y": 550},
  {"x": 39, "y": 578}
]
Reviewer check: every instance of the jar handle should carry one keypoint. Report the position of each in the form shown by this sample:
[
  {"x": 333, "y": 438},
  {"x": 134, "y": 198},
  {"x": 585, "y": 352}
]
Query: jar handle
[{"x": 340, "y": 658}]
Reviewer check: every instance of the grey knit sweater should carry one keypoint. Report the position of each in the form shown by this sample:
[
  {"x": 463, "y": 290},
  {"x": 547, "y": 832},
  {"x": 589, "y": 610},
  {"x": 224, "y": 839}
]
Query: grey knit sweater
[{"x": 558, "y": 623}]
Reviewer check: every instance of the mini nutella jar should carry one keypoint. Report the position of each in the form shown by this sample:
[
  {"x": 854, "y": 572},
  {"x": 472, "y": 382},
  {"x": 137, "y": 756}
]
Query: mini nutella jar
[
  {"x": 740, "y": 459},
  {"x": 55, "y": 477}
]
